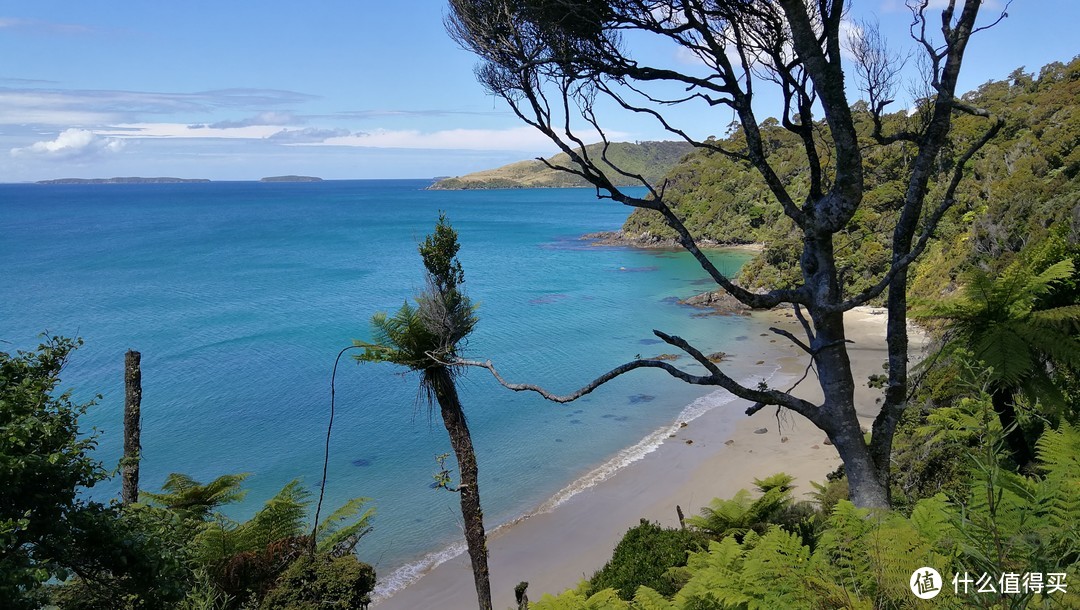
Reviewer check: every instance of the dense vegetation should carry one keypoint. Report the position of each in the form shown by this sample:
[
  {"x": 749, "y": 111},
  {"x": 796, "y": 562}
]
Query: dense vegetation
[
  {"x": 1025, "y": 189},
  {"x": 652, "y": 160}
]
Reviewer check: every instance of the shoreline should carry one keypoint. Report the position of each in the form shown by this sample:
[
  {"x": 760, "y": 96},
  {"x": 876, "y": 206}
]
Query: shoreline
[
  {"x": 648, "y": 241},
  {"x": 718, "y": 452}
]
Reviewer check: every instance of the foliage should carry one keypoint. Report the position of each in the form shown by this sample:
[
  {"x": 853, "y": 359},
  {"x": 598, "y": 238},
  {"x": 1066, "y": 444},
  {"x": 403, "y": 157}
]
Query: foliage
[
  {"x": 239, "y": 563},
  {"x": 1001, "y": 319},
  {"x": 107, "y": 556},
  {"x": 317, "y": 582},
  {"x": 44, "y": 463},
  {"x": 192, "y": 500},
  {"x": 204, "y": 595},
  {"x": 930, "y": 455},
  {"x": 741, "y": 515},
  {"x": 138, "y": 557},
  {"x": 1025, "y": 189},
  {"x": 644, "y": 556},
  {"x": 997, "y": 317},
  {"x": 430, "y": 334},
  {"x": 245, "y": 559},
  {"x": 1004, "y": 523}
]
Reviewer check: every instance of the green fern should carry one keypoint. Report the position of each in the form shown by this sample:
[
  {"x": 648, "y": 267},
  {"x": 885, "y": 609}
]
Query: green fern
[
  {"x": 192, "y": 500},
  {"x": 342, "y": 530},
  {"x": 740, "y": 515}
]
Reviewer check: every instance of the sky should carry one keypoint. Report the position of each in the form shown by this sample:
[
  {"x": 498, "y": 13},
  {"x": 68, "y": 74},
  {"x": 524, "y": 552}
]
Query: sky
[{"x": 357, "y": 89}]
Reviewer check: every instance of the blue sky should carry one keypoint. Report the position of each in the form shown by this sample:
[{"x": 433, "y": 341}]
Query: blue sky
[{"x": 337, "y": 89}]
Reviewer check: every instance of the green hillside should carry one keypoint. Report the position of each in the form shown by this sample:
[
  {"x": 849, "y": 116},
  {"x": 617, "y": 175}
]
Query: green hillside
[
  {"x": 1021, "y": 189},
  {"x": 649, "y": 159}
]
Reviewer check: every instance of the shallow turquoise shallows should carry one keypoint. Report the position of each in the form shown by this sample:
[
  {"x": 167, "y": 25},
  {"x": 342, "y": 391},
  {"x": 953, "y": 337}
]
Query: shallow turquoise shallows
[{"x": 239, "y": 296}]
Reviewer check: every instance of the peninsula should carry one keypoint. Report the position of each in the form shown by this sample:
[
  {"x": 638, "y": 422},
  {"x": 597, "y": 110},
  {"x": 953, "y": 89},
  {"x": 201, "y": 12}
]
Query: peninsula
[{"x": 651, "y": 160}]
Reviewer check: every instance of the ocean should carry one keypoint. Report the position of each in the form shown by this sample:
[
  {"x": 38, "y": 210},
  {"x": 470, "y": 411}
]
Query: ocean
[{"x": 239, "y": 295}]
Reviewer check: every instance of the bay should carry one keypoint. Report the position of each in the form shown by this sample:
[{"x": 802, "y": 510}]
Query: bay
[{"x": 240, "y": 295}]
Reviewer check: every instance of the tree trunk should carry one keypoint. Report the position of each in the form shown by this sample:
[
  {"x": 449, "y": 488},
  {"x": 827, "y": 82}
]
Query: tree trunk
[
  {"x": 472, "y": 515},
  {"x": 1004, "y": 401},
  {"x": 838, "y": 418},
  {"x": 129, "y": 492}
]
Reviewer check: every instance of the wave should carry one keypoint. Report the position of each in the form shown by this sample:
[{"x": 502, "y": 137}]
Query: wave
[{"x": 413, "y": 571}]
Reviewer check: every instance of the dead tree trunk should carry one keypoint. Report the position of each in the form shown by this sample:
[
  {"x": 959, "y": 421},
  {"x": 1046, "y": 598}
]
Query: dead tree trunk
[{"x": 129, "y": 492}]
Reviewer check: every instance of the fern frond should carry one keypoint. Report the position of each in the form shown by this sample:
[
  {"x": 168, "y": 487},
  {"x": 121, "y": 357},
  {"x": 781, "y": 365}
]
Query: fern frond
[
  {"x": 1005, "y": 352},
  {"x": 336, "y": 534},
  {"x": 191, "y": 499},
  {"x": 647, "y": 599},
  {"x": 283, "y": 516},
  {"x": 1066, "y": 318}
]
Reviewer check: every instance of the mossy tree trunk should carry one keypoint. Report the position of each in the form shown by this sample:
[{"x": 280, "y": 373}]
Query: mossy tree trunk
[{"x": 468, "y": 489}]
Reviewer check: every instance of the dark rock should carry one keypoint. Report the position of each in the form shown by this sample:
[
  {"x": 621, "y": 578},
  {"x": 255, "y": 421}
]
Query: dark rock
[{"x": 719, "y": 301}]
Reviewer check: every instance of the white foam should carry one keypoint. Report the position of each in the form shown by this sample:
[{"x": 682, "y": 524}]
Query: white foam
[{"x": 411, "y": 572}]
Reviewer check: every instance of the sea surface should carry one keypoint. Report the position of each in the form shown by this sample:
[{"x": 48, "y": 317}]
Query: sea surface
[{"x": 239, "y": 295}]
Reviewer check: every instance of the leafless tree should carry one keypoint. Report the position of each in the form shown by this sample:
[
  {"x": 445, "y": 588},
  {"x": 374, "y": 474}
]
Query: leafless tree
[{"x": 555, "y": 61}]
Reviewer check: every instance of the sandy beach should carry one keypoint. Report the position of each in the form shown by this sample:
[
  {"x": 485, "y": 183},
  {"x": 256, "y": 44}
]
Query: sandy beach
[{"x": 714, "y": 455}]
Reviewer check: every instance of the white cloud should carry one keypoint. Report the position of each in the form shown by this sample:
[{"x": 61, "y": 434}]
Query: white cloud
[
  {"x": 184, "y": 130},
  {"x": 71, "y": 143},
  {"x": 520, "y": 138},
  {"x": 515, "y": 138}
]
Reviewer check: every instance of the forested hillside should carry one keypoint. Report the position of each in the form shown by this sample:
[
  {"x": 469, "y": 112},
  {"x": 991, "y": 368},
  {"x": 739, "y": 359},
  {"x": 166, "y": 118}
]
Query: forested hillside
[
  {"x": 1022, "y": 188},
  {"x": 649, "y": 159}
]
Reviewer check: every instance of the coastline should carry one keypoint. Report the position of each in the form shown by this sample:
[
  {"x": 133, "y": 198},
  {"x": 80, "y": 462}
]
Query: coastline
[
  {"x": 648, "y": 241},
  {"x": 714, "y": 455}
]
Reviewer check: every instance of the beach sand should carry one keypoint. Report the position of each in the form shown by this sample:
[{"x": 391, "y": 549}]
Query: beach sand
[{"x": 714, "y": 455}]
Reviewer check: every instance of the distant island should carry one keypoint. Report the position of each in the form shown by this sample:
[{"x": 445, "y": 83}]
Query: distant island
[
  {"x": 652, "y": 160},
  {"x": 127, "y": 180},
  {"x": 290, "y": 179}
]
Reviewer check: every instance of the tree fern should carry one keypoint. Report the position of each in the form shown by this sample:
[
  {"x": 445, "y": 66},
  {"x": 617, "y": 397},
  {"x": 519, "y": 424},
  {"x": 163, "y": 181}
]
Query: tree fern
[
  {"x": 283, "y": 516},
  {"x": 1003, "y": 320},
  {"x": 741, "y": 514},
  {"x": 192, "y": 500}
]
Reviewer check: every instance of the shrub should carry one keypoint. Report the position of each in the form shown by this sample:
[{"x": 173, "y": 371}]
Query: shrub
[
  {"x": 643, "y": 557},
  {"x": 322, "y": 582}
]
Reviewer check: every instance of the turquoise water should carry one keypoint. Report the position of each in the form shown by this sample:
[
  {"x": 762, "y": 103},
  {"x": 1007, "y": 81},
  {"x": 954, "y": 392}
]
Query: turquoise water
[{"x": 240, "y": 295}]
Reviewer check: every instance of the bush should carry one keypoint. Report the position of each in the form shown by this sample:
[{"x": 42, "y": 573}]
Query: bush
[
  {"x": 643, "y": 557},
  {"x": 322, "y": 582}
]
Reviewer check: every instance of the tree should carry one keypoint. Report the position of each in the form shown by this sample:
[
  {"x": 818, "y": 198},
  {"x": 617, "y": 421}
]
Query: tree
[
  {"x": 1000, "y": 320},
  {"x": 49, "y": 530},
  {"x": 427, "y": 339},
  {"x": 43, "y": 465},
  {"x": 553, "y": 61}
]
